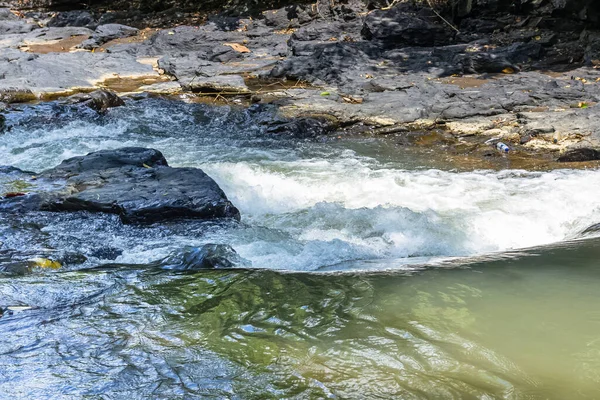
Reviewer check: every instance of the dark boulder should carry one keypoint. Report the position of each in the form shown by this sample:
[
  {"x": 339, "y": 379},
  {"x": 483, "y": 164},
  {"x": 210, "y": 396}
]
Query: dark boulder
[
  {"x": 284, "y": 18},
  {"x": 580, "y": 155},
  {"x": 135, "y": 183},
  {"x": 101, "y": 100},
  {"x": 106, "y": 253},
  {"x": 302, "y": 128},
  {"x": 108, "y": 159}
]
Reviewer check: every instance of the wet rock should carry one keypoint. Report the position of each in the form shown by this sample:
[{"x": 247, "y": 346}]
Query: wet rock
[
  {"x": 135, "y": 183},
  {"x": 98, "y": 100},
  {"x": 101, "y": 100},
  {"x": 593, "y": 229},
  {"x": 106, "y": 253},
  {"x": 209, "y": 256},
  {"x": 106, "y": 33},
  {"x": 580, "y": 155},
  {"x": 108, "y": 159},
  {"x": 302, "y": 128},
  {"x": 15, "y": 95},
  {"x": 25, "y": 262}
]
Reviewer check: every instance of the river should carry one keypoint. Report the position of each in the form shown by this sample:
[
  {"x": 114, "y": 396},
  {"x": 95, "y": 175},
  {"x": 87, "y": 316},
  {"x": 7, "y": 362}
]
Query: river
[{"x": 372, "y": 269}]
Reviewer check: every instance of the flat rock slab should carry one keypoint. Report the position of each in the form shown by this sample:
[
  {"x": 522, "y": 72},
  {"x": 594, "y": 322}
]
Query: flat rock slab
[
  {"x": 58, "y": 73},
  {"x": 41, "y": 37},
  {"x": 106, "y": 33},
  {"x": 135, "y": 183}
]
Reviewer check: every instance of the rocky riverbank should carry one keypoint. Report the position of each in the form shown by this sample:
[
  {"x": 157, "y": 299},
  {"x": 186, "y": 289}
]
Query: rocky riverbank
[{"x": 527, "y": 75}]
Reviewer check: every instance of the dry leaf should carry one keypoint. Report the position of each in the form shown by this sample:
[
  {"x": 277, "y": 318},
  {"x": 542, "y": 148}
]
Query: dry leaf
[
  {"x": 352, "y": 100},
  {"x": 508, "y": 70},
  {"x": 287, "y": 31},
  {"x": 46, "y": 263},
  {"x": 240, "y": 48}
]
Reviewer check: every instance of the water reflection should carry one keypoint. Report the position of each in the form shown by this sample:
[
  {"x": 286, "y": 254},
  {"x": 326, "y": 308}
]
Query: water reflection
[{"x": 524, "y": 327}]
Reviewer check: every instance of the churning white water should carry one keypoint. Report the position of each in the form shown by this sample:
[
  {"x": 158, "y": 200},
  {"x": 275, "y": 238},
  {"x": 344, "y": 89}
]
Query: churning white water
[{"x": 308, "y": 205}]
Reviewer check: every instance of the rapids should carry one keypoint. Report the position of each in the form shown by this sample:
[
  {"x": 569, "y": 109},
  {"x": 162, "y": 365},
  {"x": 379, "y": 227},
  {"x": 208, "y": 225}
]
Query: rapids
[
  {"x": 434, "y": 280},
  {"x": 312, "y": 204}
]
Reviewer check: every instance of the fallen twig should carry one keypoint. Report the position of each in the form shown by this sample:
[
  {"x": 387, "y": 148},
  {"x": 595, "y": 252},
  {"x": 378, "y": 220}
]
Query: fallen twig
[
  {"x": 394, "y": 2},
  {"x": 442, "y": 18}
]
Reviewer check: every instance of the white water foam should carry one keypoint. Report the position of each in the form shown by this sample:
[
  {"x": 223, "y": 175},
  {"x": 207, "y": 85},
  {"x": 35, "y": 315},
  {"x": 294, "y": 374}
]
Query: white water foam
[
  {"x": 399, "y": 213},
  {"x": 315, "y": 205}
]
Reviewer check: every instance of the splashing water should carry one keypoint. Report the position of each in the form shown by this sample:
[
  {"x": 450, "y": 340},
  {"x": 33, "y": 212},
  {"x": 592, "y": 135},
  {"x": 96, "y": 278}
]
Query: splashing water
[{"x": 313, "y": 204}]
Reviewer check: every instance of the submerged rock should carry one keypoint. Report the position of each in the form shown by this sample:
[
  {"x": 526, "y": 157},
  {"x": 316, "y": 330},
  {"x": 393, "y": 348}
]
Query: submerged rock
[
  {"x": 209, "y": 256},
  {"x": 580, "y": 155},
  {"x": 135, "y": 183}
]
